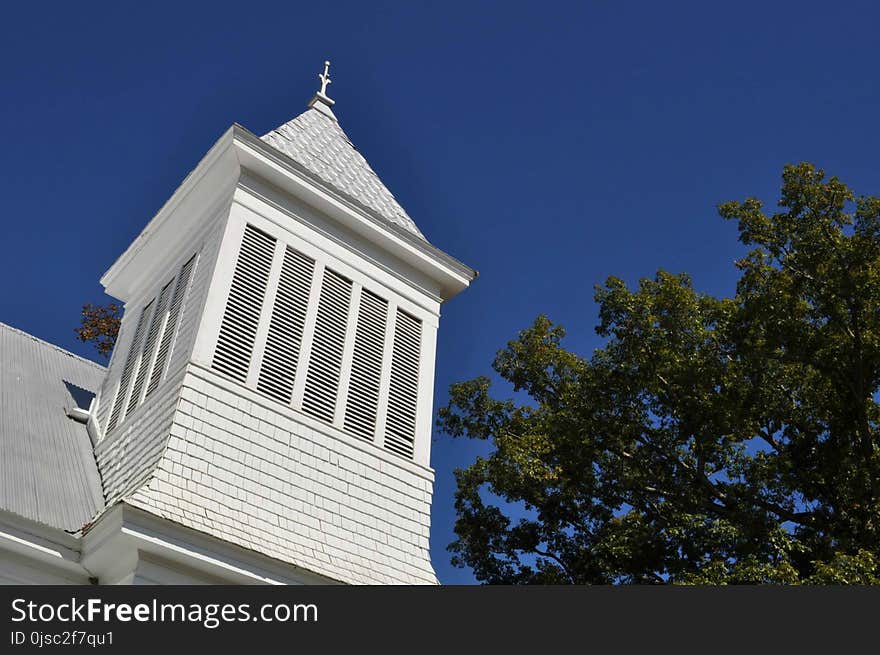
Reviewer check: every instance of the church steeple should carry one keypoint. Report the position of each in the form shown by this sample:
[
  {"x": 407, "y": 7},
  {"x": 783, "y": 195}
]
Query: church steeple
[{"x": 273, "y": 380}]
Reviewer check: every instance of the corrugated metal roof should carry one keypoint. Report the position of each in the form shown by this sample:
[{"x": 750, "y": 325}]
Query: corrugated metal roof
[
  {"x": 317, "y": 142},
  {"x": 47, "y": 466}
]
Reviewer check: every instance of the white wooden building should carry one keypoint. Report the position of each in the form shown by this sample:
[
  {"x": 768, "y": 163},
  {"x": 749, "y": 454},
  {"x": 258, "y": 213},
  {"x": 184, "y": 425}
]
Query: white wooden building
[{"x": 266, "y": 414}]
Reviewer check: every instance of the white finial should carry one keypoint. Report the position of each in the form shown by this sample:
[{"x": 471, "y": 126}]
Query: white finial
[
  {"x": 325, "y": 79},
  {"x": 320, "y": 101}
]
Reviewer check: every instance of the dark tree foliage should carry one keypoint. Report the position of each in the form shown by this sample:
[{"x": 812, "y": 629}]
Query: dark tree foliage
[
  {"x": 710, "y": 440},
  {"x": 99, "y": 325}
]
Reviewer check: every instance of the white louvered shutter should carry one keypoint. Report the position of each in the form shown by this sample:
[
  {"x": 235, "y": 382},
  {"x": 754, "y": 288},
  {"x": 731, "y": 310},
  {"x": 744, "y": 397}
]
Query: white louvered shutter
[
  {"x": 366, "y": 366},
  {"x": 325, "y": 361},
  {"x": 170, "y": 327},
  {"x": 149, "y": 348},
  {"x": 284, "y": 339},
  {"x": 134, "y": 352},
  {"x": 238, "y": 329},
  {"x": 403, "y": 391}
]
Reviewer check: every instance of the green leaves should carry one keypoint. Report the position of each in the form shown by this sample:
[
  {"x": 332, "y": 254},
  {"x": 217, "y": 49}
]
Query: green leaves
[{"x": 710, "y": 440}]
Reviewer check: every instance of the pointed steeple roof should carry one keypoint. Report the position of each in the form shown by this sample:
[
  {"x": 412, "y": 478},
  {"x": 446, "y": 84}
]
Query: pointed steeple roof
[{"x": 315, "y": 140}]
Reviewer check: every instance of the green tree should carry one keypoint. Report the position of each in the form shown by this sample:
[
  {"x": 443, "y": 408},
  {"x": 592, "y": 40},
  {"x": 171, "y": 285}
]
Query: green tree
[
  {"x": 710, "y": 440},
  {"x": 99, "y": 325}
]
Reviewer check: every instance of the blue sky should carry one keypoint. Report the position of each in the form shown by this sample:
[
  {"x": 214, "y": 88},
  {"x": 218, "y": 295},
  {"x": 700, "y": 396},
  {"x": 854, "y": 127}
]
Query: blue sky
[{"x": 548, "y": 144}]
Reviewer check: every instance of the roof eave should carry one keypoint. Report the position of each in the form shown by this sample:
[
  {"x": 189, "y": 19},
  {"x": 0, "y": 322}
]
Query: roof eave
[
  {"x": 239, "y": 147},
  {"x": 219, "y": 164}
]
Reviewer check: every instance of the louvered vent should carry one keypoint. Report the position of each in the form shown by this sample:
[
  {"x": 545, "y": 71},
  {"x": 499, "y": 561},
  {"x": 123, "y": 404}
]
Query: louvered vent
[
  {"x": 283, "y": 342},
  {"x": 366, "y": 366},
  {"x": 325, "y": 362},
  {"x": 239, "y": 327},
  {"x": 149, "y": 347},
  {"x": 400, "y": 427},
  {"x": 300, "y": 349},
  {"x": 134, "y": 353},
  {"x": 170, "y": 328}
]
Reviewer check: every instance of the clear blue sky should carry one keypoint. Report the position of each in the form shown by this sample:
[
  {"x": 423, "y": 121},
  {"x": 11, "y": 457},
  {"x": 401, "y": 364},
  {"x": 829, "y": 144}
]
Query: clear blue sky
[{"x": 546, "y": 144}]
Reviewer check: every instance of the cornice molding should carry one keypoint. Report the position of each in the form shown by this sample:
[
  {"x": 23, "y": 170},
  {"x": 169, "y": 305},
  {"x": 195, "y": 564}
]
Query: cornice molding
[{"x": 238, "y": 149}]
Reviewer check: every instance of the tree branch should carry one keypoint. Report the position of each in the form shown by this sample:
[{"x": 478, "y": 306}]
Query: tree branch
[{"x": 549, "y": 555}]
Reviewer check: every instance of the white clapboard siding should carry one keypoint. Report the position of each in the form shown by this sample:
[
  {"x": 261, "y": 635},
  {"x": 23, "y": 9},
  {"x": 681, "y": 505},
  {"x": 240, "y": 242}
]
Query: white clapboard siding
[
  {"x": 169, "y": 328},
  {"x": 325, "y": 361},
  {"x": 149, "y": 350},
  {"x": 241, "y": 317},
  {"x": 366, "y": 366},
  {"x": 284, "y": 338},
  {"x": 134, "y": 352},
  {"x": 403, "y": 391}
]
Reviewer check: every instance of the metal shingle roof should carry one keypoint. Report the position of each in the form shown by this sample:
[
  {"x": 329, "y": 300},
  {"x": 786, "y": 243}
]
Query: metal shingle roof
[
  {"x": 47, "y": 466},
  {"x": 317, "y": 142}
]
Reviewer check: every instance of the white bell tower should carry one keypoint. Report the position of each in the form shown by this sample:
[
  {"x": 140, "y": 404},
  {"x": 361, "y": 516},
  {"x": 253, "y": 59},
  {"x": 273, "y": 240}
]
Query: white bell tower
[{"x": 272, "y": 383}]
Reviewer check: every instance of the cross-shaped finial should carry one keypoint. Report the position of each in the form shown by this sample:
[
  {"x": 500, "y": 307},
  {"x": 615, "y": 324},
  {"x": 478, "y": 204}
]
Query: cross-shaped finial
[{"x": 325, "y": 79}]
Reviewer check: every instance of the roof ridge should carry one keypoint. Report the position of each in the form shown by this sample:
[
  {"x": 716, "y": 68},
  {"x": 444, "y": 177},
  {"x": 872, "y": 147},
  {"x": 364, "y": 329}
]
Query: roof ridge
[{"x": 43, "y": 342}]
